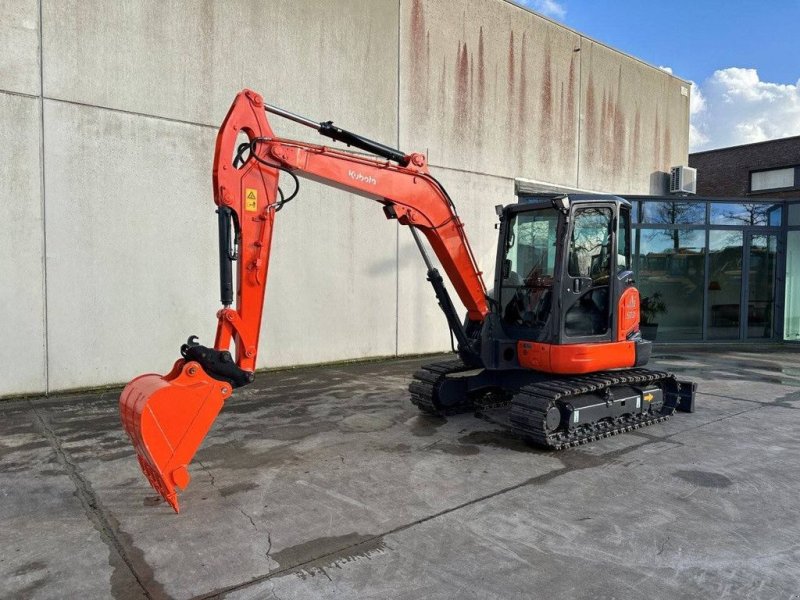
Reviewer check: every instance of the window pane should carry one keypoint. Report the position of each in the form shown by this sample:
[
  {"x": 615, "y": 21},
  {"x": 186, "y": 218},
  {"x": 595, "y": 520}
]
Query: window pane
[
  {"x": 532, "y": 246},
  {"x": 724, "y": 284},
  {"x": 774, "y": 215},
  {"x": 671, "y": 272},
  {"x": 772, "y": 180},
  {"x": 674, "y": 213},
  {"x": 791, "y": 321},
  {"x": 635, "y": 210},
  {"x": 528, "y": 268},
  {"x": 745, "y": 214},
  {"x": 590, "y": 247},
  {"x": 624, "y": 243},
  {"x": 794, "y": 214},
  {"x": 761, "y": 285}
]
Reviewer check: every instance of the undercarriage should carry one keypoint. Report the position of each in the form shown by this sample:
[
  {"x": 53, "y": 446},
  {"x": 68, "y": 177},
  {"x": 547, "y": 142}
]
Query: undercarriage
[{"x": 550, "y": 411}]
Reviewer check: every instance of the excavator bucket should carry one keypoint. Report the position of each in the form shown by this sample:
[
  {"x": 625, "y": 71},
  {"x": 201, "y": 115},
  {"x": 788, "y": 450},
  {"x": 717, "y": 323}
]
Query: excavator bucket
[{"x": 167, "y": 417}]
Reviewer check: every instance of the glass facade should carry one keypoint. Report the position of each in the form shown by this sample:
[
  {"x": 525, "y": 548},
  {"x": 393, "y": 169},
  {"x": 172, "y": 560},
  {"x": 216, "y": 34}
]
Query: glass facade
[{"x": 712, "y": 269}]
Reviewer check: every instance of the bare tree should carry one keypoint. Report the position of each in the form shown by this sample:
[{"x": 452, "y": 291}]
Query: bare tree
[{"x": 674, "y": 213}]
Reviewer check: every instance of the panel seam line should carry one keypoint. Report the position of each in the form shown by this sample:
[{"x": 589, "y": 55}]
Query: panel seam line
[
  {"x": 397, "y": 224},
  {"x": 43, "y": 206}
]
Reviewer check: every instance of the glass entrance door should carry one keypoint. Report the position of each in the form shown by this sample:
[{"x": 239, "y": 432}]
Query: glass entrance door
[
  {"x": 761, "y": 254},
  {"x": 724, "y": 305}
]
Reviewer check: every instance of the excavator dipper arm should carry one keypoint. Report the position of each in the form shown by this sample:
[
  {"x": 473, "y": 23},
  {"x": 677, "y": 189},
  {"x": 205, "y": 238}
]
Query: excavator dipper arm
[{"x": 167, "y": 417}]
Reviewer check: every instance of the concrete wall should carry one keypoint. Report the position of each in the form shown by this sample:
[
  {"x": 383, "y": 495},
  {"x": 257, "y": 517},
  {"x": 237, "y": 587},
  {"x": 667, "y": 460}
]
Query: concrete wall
[{"x": 108, "y": 112}]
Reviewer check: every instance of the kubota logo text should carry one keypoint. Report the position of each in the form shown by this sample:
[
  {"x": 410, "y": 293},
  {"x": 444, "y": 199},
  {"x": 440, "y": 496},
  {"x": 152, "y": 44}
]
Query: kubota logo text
[{"x": 360, "y": 177}]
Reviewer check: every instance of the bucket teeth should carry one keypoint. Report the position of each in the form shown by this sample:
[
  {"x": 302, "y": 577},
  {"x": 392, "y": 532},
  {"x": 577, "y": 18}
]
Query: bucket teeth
[
  {"x": 167, "y": 417},
  {"x": 159, "y": 484}
]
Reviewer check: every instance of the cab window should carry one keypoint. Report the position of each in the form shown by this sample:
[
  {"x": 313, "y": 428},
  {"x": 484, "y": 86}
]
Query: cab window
[{"x": 528, "y": 267}]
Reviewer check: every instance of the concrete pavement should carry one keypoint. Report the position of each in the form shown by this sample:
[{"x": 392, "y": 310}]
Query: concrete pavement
[{"x": 325, "y": 483}]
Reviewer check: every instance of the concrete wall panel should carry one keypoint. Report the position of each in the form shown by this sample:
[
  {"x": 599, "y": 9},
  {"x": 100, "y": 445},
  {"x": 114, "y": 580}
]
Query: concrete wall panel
[
  {"x": 132, "y": 255},
  {"x": 332, "y": 280},
  {"x": 489, "y": 87},
  {"x": 22, "y": 350},
  {"x": 635, "y": 123},
  {"x": 19, "y": 40},
  {"x": 421, "y": 323},
  {"x": 331, "y": 59},
  {"x": 131, "y": 241}
]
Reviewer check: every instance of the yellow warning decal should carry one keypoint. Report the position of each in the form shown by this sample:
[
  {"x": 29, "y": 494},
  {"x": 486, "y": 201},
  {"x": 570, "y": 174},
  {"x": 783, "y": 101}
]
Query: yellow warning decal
[
  {"x": 648, "y": 397},
  {"x": 251, "y": 200}
]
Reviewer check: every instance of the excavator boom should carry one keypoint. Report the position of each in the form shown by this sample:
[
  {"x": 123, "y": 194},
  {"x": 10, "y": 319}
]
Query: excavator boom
[{"x": 168, "y": 416}]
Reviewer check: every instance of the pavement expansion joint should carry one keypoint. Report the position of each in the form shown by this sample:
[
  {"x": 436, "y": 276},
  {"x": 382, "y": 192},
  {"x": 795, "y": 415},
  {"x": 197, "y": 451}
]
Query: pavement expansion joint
[{"x": 103, "y": 522}]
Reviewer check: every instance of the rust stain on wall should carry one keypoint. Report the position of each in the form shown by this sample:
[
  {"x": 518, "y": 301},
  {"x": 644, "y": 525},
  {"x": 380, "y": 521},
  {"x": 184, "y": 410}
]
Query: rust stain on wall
[
  {"x": 511, "y": 67},
  {"x": 521, "y": 124},
  {"x": 618, "y": 158},
  {"x": 479, "y": 109},
  {"x": 546, "y": 103},
  {"x": 636, "y": 137},
  {"x": 462, "y": 84},
  {"x": 471, "y": 99},
  {"x": 481, "y": 72},
  {"x": 603, "y": 133},
  {"x": 561, "y": 117},
  {"x": 442, "y": 91},
  {"x": 657, "y": 143},
  {"x": 590, "y": 123},
  {"x": 427, "y": 57},
  {"x": 568, "y": 112},
  {"x": 511, "y": 127},
  {"x": 420, "y": 54}
]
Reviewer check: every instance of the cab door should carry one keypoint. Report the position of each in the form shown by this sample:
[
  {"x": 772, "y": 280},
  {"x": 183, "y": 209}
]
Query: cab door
[{"x": 588, "y": 285}]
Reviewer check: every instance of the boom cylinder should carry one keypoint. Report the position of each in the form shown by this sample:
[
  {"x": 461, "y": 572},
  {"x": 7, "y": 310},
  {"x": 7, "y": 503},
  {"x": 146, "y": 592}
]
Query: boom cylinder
[
  {"x": 328, "y": 129},
  {"x": 445, "y": 302},
  {"x": 224, "y": 218}
]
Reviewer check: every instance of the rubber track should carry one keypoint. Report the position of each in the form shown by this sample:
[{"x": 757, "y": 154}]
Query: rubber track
[
  {"x": 425, "y": 383},
  {"x": 528, "y": 409}
]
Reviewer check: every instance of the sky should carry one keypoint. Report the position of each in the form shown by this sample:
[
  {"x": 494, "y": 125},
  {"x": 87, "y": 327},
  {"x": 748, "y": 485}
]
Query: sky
[{"x": 742, "y": 56}]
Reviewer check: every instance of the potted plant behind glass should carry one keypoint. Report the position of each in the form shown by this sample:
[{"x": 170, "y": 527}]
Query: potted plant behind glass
[{"x": 649, "y": 308}]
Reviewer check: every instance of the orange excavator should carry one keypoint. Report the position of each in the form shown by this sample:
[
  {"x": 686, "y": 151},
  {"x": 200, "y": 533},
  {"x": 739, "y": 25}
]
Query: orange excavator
[{"x": 554, "y": 353}]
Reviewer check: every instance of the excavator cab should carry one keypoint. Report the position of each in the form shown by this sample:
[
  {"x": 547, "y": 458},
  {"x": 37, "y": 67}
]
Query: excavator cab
[{"x": 564, "y": 265}]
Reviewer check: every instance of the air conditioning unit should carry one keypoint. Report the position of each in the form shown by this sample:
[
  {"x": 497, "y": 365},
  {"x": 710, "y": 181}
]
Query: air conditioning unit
[{"x": 683, "y": 180}]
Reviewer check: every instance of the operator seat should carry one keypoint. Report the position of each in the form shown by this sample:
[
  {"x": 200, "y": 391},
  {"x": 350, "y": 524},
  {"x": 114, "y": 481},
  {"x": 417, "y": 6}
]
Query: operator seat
[{"x": 589, "y": 315}]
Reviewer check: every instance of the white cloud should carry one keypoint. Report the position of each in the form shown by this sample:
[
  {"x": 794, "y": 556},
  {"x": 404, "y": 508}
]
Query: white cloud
[
  {"x": 735, "y": 107},
  {"x": 697, "y": 102},
  {"x": 697, "y": 108},
  {"x": 550, "y": 8}
]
